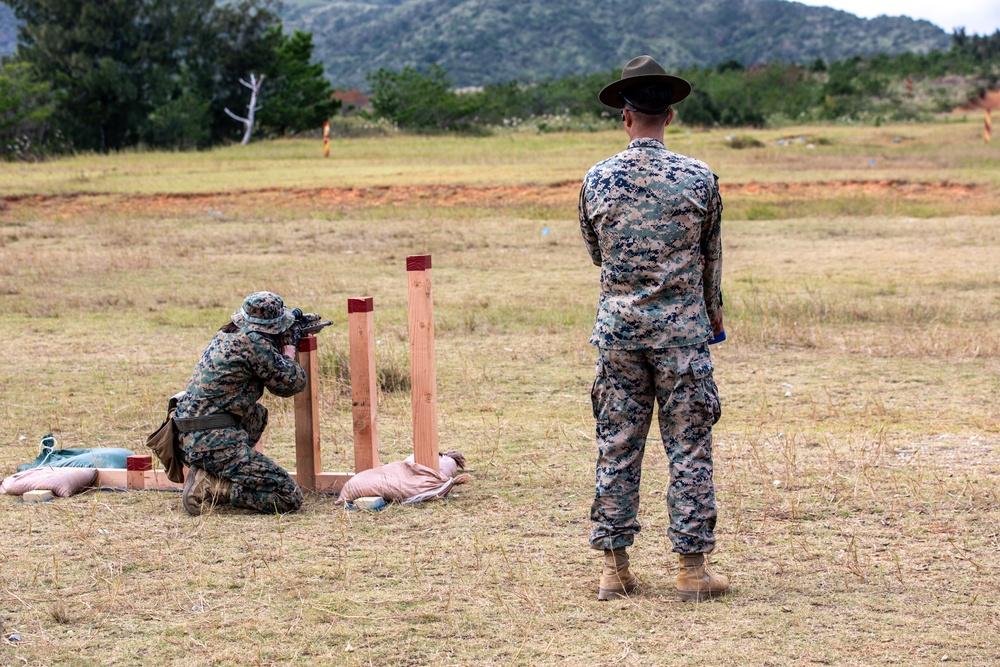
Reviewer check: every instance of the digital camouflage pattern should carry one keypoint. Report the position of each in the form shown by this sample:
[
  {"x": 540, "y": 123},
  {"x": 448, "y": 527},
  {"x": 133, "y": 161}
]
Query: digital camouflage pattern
[
  {"x": 258, "y": 482},
  {"x": 263, "y": 312},
  {"x": 651, "y": 220},
  {"x": 627, "y": 382},
  {"x": 231, "y": 377}
]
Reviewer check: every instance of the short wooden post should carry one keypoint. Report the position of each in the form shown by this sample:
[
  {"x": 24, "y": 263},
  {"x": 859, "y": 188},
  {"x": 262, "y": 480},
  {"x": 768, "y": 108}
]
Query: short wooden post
[
  {"x": 307, "y": 455},
  {"x": 364, "y": 386},
  {"x": 135, "y": 471},
  {"x": 422, "y": 371}
]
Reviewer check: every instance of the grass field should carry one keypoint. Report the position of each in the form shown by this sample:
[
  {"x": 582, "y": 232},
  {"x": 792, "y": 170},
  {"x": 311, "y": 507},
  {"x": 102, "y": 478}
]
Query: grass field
[{"x": 857, "y": 457}]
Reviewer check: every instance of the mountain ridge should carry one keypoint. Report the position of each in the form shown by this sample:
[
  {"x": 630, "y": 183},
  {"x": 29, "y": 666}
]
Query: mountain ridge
[{"x": 492, "y": 41}]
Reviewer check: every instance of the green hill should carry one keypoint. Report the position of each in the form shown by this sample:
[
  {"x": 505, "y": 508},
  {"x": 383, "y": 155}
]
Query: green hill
[{"x": 489, "y": 41}]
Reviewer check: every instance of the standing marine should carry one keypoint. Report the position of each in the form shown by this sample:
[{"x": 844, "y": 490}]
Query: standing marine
[
  {"x": 219, "y": 417},
  {"x": 651, "y": 219}
]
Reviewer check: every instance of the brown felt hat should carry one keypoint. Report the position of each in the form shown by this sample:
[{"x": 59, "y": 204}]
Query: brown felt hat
[{"x": 639, "y": 71}]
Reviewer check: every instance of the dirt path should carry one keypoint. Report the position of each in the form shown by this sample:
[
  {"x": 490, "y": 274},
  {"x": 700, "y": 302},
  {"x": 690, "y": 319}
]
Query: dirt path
[{"x": 558, "y": 194}]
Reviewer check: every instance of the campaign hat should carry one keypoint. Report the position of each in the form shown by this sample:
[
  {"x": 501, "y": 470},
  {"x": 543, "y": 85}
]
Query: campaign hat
[{"x": 641, "y": 71}]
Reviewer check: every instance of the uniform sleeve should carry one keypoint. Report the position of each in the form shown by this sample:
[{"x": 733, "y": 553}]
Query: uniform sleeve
[
  {"x": 281, "y": 375},
  {"x": 711, "y": 250},
  {"x": 587, "y": 228}
]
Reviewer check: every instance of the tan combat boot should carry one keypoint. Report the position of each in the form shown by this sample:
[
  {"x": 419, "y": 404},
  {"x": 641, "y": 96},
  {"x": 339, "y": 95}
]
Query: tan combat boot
[
  {"x": 696, "y": 583},
  {"x": 203, "y": 488},
  {"x": 616, "y": 579}
]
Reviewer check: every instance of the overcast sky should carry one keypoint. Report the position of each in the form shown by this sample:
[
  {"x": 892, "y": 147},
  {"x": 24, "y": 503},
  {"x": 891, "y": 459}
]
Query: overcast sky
[{"x": 981, "y": 17}]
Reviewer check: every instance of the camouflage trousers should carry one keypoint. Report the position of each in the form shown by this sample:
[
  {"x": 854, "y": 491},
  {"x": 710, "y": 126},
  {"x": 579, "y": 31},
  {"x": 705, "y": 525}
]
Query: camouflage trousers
[
  {"x": 258, "y": 482},
  {"x": 680, "y": 382}
]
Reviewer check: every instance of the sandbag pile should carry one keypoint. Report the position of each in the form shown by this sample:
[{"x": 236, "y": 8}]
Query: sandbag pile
[
  {"x": 63, "y": 482},
  {"x": 64, "y": 472},
  {"x": 98, "y": 457},
  {"x": 406, "y": 481}
]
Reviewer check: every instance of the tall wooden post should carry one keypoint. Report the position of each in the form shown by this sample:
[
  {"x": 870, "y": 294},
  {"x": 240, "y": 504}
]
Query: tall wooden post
[
  {"x": 422, "y": 371},
  {"x": 987, "y": 126},
  {"x": 364, "y": 386},
  {"x": 326, "y": 139},
  {"x": 307, "y": 456}
]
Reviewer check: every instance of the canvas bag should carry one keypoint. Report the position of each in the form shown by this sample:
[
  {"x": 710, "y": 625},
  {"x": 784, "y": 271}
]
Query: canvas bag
[{"x": 163, "y": 442}]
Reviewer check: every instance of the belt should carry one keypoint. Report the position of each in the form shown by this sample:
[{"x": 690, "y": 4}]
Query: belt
[{"x": 206, "y": 423}]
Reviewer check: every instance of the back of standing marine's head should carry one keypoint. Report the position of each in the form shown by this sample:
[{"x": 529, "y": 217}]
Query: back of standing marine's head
[{"x": 645, "y": 87}]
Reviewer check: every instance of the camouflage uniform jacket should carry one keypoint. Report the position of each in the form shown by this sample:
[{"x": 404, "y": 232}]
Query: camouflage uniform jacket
[
  {"x": 232, "y": 374},
  {"x": 651, "y": 220}
]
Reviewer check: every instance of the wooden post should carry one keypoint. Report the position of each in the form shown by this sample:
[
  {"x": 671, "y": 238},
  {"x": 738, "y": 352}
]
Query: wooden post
[
  {"x": 987, "y": 127},
  {"x": 135, "y": 475},
  {"x": 326, "y": 139},
  {"x": 422, "y": 371},
  {"x": 307, "y": 456},
  {"x": 364, "y": 386}
]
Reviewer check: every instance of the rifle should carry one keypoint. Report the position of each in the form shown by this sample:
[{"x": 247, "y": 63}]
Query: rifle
[{"x": 305, "y": 323}]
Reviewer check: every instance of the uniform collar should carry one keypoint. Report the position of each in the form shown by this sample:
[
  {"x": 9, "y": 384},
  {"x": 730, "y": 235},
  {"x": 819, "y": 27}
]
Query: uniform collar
[{"x": 646, "y": 142}]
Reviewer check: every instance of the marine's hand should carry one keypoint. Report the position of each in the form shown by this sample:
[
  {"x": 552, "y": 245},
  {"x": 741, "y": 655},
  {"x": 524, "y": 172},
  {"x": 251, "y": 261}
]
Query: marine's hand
[
  {"x": 288, "y": 351},
  {"x": 717, "y": 325}
]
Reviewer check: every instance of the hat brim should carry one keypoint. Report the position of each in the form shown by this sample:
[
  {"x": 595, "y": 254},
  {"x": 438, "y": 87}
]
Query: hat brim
[
  {"x": 611, "y": 94},
  {"x": 284, "y": 324}
]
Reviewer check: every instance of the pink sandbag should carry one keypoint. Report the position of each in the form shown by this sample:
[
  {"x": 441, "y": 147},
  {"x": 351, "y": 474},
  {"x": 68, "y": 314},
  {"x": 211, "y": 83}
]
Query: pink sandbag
[
  {"x": 402, "y": 481},
  {"x": 449, "y": 462},
  {"x": 63, "y": 482}
]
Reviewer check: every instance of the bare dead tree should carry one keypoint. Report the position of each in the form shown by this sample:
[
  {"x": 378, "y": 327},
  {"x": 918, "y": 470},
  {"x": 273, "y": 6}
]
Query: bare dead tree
[{"x": 252, "y": 108}]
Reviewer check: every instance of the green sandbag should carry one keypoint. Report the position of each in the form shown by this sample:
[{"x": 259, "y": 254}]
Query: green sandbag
[{"x": 101, "y": 457}]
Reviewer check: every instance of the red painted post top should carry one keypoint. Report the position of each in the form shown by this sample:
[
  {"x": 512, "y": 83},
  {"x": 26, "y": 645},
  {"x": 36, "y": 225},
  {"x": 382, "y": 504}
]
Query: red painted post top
[
  {"x": 139, "y": 462},
  {"x": 363, "y": 304},
  {"x": 307, "y": 343},
  {"x": 418, "y": 262}
]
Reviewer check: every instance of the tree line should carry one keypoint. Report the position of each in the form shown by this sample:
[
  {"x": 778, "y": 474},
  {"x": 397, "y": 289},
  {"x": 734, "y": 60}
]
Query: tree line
[
  {"x": 882, "y": 88},
  {"x": 105, "y": 76},
  {"x": 110, "y": 75}
]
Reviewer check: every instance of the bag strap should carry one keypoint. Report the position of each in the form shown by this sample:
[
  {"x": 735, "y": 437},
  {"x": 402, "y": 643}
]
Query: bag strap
[{"x": 172, "y": 403}]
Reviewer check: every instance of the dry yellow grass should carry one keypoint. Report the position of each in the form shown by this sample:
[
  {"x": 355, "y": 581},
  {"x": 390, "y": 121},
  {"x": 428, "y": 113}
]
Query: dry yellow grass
[{"x": 857, "y": 457}]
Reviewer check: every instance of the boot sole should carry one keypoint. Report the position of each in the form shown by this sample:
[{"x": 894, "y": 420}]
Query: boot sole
[
  {"x": 605, "y": 594},
  {"x": 699, "y": 596},
  {"x": 194, "y": 509}
]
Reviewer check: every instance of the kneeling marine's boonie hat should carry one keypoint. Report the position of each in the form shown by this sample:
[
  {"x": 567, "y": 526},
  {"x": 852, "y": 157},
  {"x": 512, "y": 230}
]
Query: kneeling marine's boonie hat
[
  {"x": 640, "y": 71},
  {"x": 263, "y": 312}
]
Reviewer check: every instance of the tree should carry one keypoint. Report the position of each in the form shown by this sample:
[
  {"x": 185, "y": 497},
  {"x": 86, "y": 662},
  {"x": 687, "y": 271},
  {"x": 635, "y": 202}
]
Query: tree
[
  {"x": 254, "y": 85},
  {"x": 109, "y": 63},
  {"x": 163, "y": 71},
  {"x": 299, "y": 97},
  {"x": 421, "y": 100},
  {"x": 25, "y": 105},
  {"x": 236, "y": 38}
]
